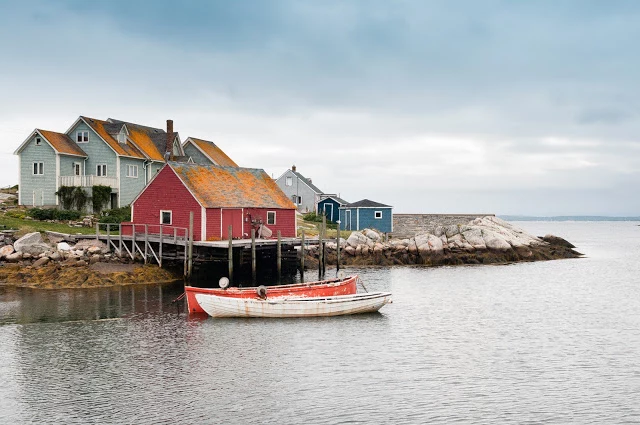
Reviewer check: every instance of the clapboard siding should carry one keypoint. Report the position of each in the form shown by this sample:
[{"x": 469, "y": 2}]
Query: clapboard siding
[
  {"x": 38, "y": 190},
  {"x": 195, "y": 154}
]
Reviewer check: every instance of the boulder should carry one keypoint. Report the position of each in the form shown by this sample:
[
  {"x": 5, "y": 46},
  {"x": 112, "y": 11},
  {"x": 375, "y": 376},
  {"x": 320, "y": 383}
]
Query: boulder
[
  {"x": 356, "y": 238},
  {"x": 94, "y": 259},
  {"x": 350, "y": 250},
  {"x": 378, "y": 247},
  {"x": 63, "y": 246},
  {"x": 41, "y": 262},
  {"x": 372, "y": 234},
  {"x": 495, "y": 241},
  {"x": 6, "y": 250},
  {"x": 92, "y": 250},
  {"x": 31, "y": 243},
  {"x": 435, "y": 244},
  {"x": 55, "y": 257},
  {"x": 365, "y": 250},
  {"x": 473, "y": 236},
  {"x": 451, "y": 230},
  {"x": 555, "y": 240},
  {"x": 13, "y": 258}
]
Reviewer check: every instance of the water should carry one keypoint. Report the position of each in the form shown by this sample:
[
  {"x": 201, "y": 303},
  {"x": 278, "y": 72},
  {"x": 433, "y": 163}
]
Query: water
[{"x": 550, "y": 342}]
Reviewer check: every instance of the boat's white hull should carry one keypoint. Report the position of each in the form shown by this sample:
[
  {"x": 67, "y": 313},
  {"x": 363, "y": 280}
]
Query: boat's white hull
[{"x": 293, "y": 306}]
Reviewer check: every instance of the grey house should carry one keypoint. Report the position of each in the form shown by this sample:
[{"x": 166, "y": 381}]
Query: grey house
[
  {"x": 122, "y": 155},
  {"x": 299, "y": 189}
]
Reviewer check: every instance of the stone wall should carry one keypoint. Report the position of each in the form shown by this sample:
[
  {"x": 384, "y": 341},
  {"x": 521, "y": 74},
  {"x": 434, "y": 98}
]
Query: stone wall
[{"x": 409, "y": 225}]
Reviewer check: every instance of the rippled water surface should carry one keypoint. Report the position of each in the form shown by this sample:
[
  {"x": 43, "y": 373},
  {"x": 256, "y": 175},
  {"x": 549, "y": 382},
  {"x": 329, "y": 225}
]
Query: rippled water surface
[{"x": 554, "y": 342}]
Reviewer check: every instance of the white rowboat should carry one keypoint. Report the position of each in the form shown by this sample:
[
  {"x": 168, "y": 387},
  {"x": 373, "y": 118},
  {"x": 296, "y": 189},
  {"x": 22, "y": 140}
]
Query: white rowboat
[{"x": 338, "y": 305}]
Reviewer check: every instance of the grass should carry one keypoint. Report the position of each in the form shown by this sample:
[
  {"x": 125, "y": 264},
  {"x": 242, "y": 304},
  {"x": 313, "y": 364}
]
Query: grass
[
  {"x": 312, "y": 228},
  {"x": 26, "y": 226}
]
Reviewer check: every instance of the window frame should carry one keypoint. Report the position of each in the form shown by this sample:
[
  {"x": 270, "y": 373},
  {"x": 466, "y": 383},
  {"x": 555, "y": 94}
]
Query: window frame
[
  {"x": 38, "y": 141},
  {"x": 288, "y": 181},
  {"x": 377, "y": 215},
  {"x": 104, "y": 168},
  {"x": 82, "y": 134},
  {"x": 132, "y": 167},
  {"x": 162, "y": 212},
  {"x": 274, "y": 218},
  {"x": 299, "y": 200},
  {"x": 77, "y": 169},
  {"x": 38, "y": 168}
]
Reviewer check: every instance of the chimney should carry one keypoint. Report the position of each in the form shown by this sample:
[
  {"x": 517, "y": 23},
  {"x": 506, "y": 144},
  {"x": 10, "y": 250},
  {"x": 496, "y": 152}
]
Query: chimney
[
  {"x": 169, "y": 146},
  {"x": 293, "y": 168}
]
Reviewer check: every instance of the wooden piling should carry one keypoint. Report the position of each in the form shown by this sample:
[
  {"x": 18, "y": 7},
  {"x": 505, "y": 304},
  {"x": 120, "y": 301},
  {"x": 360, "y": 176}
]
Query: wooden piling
[
  {"x": 230, "y": 254},
  {"x": 108, "y": 237},
  {"x": 302, "y": 256},
  {"x": 320, "y": 238},
  {"x": 146, "y": 242},
  {"x": 160, "y": 248},
  {"x": 120, "y": 241},
  {"x": 338, "y": 247},
  {"x": 190, "y": 252},
  {"x": 253, "y": 256},
  {"x": 279, "y": 257},
  {"x": 97, "y": 231}
]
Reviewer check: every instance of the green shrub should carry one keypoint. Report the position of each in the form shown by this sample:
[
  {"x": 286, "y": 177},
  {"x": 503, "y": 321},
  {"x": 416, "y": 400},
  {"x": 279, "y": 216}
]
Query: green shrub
[
  {"x": 52, "y": 214},
  {"x": 17, "y": 213},
  {"x": 116, "y": 215},
  {"x": 312, "y": 217},
  {"x": 100, "y": 196}
]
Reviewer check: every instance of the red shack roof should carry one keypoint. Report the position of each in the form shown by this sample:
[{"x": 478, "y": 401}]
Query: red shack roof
[{"x": 231, "y": 187}]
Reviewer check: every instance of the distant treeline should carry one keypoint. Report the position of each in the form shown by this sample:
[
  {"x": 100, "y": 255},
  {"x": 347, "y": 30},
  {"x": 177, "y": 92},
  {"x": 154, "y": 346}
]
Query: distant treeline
[{"x": 567, "y": 218}]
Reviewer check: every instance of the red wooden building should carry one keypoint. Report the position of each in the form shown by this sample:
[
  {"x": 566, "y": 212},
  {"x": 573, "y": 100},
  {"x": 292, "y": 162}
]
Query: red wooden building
[{"x": 218, "y": 197}]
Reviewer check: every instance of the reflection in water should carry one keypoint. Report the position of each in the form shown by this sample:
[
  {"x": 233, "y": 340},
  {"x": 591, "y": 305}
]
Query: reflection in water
[{"x": 554, "y": 342}]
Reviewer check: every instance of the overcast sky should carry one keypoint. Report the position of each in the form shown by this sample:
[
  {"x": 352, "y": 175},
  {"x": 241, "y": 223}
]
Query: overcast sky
[{"x": 508, "y": 107}]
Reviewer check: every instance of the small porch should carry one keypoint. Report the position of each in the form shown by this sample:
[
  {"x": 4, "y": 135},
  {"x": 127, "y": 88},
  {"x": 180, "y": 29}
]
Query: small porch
[{"x": 89, "y": 181}]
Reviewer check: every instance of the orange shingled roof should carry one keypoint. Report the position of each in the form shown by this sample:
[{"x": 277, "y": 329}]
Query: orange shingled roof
[
  {"x": 144, "y": 142},
  {"x": 214, "y": 152},
  {"x": 120, "y": 148},
  {"x": 221, "y": 187},
  {"x": 62, "y": 143}
]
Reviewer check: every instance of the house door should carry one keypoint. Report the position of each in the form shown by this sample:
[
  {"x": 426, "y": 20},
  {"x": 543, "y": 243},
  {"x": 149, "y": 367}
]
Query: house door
[
  {"x": 347, "y": 219},
  {"x": 328, "y": 211},
  {"x": 114, "y": 200},
  {"x": 232, "y": 217}
]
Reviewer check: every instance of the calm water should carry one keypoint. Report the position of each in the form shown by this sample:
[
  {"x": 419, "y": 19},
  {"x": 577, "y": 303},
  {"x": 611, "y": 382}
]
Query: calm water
[{"x": 553, "y": 342}]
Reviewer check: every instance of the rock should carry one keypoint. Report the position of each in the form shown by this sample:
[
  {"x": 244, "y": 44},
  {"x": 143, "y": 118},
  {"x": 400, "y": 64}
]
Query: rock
[
  {"x": 94, "y": 259},
  {"x": 81, "y": 263},
  {"x": 358, "y": 250},
  {"x": 555, "y": 240},
  {"x": 13, "y": 258},
  {"x": 473, "y": 236},
  {"x": 495, "y": 241},
  {"x": 350, "y": 250},
  {"x": 26, "y": 256},
  {"x": 451, "y": 230},
  {"x": 356, "y": 239},
  {"x": 88, "y": 243},
  {"x": 63, "y": 246},
  {"x": 435, "y": 244},
  {"x": 31, "y": 243},
  {"x": 6, "y": 250},
  {"x": 378, "y": 247},
  {"x": 41, "y": 262},
  {"x": 55, "y": 257},
  {"x": 372, "y": 234},
  {"x": 94, "y": 250},
  {"x": 365, "y": 250}
]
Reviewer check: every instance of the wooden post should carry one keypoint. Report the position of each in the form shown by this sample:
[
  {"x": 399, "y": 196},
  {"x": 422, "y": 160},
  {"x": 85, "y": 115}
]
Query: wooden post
[
  {"x": 190, "y": 266},
  {"x": 160, "y": 247},
  {"x": 146, "y": 242},
  {"x": 133, "y": 242},
  {"x": 253, "y": 256},
  {"x": 108, "y": 237},
  {"x": 279, "y": 257},
  {"x": 175, "y": 236},
  {"x": 302, "y": 256},
  {"x": 97, "y": 230},
  {"x": 338, "y": 248},
  {"x": 230, "y": 254},
  {"x": 120, "y": 240}
]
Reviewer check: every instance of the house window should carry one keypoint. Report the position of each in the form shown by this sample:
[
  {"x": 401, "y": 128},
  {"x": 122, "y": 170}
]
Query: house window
[
  {"x": 122, "y": 137},
  {"x": 82, "y": 136},
  {"x": 378, "y": 214},
  {"x": 132, "y": 171},
  {"x": 299, "y": 200},
  {"x": 101, "y": 170},
  {"x": 76, "y": 168},
  {"x": 271, "y": 217},
  {"x": 166, "y": 217},
  {"x": 289, "y": 181},
  {"x": 38, "y": 141},
  {"x": 38, "y": 168}
]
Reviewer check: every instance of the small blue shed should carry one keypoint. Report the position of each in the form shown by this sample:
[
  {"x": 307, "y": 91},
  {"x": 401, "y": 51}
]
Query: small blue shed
[
  {"x": 367, "y": 214},
  {"x": 330, "y": 205}
]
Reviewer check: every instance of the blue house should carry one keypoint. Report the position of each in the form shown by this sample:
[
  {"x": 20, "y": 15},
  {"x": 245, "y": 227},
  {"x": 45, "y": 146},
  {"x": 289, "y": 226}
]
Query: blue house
[
  {"x": 367, "y": 214},
  {"x": 329, "y": 205}
]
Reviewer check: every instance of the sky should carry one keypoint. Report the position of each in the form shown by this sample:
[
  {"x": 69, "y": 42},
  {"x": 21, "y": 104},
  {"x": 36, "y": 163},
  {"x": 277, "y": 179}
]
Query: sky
[{"x": 462, "y": 106}]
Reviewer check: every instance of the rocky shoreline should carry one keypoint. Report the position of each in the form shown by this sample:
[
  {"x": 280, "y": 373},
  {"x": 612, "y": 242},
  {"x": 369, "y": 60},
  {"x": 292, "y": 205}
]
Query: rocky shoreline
[
  {"x": 33, "y": 262},
  {"x": 486, "y": 240}
]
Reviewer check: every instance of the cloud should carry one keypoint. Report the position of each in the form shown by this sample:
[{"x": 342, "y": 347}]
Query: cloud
[{"x": 364, "y": 96}]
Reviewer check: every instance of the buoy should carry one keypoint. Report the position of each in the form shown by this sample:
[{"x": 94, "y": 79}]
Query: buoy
[
  {"x": 223, "y": 282},
  {"x": 262, "y": 292},
  {"x": 341, "y": 275}
]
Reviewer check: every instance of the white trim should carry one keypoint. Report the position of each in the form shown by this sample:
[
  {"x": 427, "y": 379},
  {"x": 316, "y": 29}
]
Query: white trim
[
  {"x": 203, "y": 223},
  {"x": 131, "y": 167},
  {"x": 170, "y": 223},
  {"x": 33, "y": 133},
  {"x": 57, "y": 179},
  {"x": 131, "y": 209},
  {"x": 82, "y": 132},
  {"x": 357, "y": 218},
  {"x": 156, "y": 175},
  {"x": 299, "y": 180},
  {"x": 79, "y": 164},
  {"x": 368, "y": 207},
  {"x": 33, "y": 173},
  {"x": 106, "y": 171},
  {"x": 19, "y": 180},
  {"x": 287, "y": 180},
  {"x": 241, "y": 221},
  {"x": 375, "y": 215},
  {"x": 274, "y": 218},
  {"x": 100, "y": 137}
]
